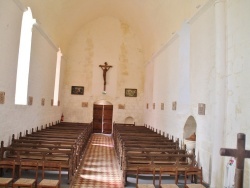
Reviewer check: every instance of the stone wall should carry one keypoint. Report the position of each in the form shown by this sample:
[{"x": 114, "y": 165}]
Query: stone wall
[
  {"x": 110, "y": 40},
  {"x": 19, "y": 118}
]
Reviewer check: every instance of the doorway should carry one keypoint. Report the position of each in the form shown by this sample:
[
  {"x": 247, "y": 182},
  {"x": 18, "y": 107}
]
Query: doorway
[
  {"x": 189, "y": 134},
  {"x": 102, "y": 117},
  {"x": 190, "y": 127}
]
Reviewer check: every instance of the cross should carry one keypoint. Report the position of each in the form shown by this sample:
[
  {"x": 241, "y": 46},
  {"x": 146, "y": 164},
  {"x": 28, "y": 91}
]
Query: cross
[
  {"x": 240, "y": 154},
  {"x": 105, "y": 69}
]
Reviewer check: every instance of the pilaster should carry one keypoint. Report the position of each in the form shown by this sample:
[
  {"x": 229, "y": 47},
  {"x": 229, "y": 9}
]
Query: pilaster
[{"x": 220, "y": 93}]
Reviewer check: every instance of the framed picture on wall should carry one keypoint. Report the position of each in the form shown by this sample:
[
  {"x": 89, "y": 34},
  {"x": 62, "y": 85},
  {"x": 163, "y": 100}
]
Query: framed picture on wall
[
  {"x": 130, "y": 92},
  {"x": 77, "y": 90}
]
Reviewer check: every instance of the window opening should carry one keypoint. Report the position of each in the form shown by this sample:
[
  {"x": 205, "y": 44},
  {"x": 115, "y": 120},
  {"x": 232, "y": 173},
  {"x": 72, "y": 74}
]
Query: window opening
[
  {"x": 57, "y": 77},
  {"x": 22, "y": 77}
]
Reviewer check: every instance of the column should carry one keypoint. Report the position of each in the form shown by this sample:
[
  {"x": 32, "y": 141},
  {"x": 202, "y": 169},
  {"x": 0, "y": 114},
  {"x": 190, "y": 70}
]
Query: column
[{"x": 220, "y": 94}]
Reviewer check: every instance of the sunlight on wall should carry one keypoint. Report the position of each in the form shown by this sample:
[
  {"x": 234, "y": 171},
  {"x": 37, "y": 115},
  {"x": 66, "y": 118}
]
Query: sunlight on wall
[
  {"x": 57, "y": 79},
  {"x": 24, "y": 58}
]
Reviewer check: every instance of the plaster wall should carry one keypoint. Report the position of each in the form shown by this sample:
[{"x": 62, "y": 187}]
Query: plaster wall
[
  {"x": 183, "y": 72},
  {"x": 238, "y": 68},
  {"x": 202, "y": 81},
  {"x": 165, "y": 87},
  {"x": 19, "y": 118},
  {"x": 105, "y": 39},
  {"x": 149, "y": 79}
]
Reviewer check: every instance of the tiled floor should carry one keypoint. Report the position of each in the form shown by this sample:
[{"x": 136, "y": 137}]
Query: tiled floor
[{"x": 99, "y": 167}]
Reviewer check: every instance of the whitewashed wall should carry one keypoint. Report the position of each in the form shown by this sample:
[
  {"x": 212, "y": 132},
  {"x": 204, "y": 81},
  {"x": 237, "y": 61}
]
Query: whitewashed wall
[
  {"x": 19, "y": 118},
  {"x": 202, "y": 83},
  {"x": 10, "y": 20},
  {"x": 238, "y": 61},
  {"x": 110, "y": 40}
]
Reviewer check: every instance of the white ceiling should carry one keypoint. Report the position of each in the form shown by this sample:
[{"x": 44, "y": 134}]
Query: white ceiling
[{"x": 152, "y": 20}]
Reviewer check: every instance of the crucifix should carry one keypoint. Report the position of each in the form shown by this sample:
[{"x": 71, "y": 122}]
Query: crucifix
[
  {"x": 105, "y": 69},
  {"x": 240, "y": 154}
]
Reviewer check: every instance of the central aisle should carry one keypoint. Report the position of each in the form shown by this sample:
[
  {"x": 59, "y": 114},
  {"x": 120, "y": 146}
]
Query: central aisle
[{"x": 99, "y": 168}]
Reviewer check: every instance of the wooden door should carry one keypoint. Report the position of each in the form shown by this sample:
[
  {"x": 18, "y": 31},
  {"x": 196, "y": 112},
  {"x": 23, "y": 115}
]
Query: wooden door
[
  {"x": 107, "y": 119},
  {"x": 97, "y": 118},
  {"x": 102, "y": 118}
]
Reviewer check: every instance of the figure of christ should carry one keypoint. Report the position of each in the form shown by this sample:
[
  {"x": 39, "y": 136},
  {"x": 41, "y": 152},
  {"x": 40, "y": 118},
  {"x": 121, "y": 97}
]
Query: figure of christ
[
  {"x": 240, "y": 154},
  {"x": 105, "y": 69}
]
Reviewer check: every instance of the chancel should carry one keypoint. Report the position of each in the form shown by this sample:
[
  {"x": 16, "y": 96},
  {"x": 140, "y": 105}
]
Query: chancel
[{"x": 153, "y": 72}]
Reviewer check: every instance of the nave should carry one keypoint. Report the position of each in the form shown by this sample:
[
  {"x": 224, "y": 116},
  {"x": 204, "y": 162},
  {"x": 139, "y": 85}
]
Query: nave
[
  {"x": 100, "y": 169},
  {"x": 98, "y": 162}
]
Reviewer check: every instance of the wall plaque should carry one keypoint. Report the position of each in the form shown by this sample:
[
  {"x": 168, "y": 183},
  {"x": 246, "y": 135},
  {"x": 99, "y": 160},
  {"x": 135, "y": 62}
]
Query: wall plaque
[
  {"x": 174, "y": 105},
  {"x": 2, "y": 97},
  {"x": 85, "y": 104},
  {"x": 130, "y": 92},
  {"x": 30, "y": 100},
  {"x": 77, "y": 90},
  {"x": 162, "y": 106},
  {"x": 121, "y": 106},
  {"x": 43, "y": 101},
  {"x": 201, "y": 108}
]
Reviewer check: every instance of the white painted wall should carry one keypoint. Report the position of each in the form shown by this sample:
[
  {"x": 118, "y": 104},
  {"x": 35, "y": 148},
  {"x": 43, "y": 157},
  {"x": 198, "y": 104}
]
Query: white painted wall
[
  {"x": 238, "y": 68},
  {"x": 19, "y": 118},
  {"x": 202, "y": 83},
  {"x": 183, "y": 73},
  {"x": 112, "y": 40},
  {"x": 167, "y": 83},
  {"x": 105, "y": 39}
]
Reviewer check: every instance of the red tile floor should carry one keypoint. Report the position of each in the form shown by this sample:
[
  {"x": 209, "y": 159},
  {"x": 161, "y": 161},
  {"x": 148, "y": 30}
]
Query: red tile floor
[{"x": 99, "y": 168}]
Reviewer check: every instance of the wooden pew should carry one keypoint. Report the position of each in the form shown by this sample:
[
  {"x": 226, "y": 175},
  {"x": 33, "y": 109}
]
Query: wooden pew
[
  {"x": 147, "y": 140},
  {"x": 65, "y": 157},
  {"x": 133, "y": 161},
  {"x": 140, "y": 146},
  {"x": 146, "y": 147},
  {"x": 139, "y": 134},
  {"x": 62, "y": 143}
]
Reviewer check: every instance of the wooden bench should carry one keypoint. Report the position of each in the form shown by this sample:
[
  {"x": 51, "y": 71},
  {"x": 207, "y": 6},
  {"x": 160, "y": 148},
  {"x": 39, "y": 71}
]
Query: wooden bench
[
  {"x": 133, "y": 161},
  {"x": 138, "y": 146},
  {"x": 65, "y": 157},
  {"x": 148, "y": 142},
  {"x": 62, "y": 143}
]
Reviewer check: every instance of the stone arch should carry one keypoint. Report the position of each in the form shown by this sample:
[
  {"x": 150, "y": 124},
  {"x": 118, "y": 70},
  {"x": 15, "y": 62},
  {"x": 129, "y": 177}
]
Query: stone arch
[
  {"x": 129, "y": 120},
  {"x": 189, "y": 133},
  {"x": 189, "y": 127},
  {"x": 102, "y": 102}
]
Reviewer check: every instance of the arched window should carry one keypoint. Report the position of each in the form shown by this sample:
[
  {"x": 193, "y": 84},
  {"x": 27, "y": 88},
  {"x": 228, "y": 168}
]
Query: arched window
[
  {"x": 23, "y": 65},
  {"x": 57, "y": 78}
]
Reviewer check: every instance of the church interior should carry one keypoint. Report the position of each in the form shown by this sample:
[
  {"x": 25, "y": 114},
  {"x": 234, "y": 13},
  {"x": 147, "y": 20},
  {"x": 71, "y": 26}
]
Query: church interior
[{"x": 178, "y": 68}]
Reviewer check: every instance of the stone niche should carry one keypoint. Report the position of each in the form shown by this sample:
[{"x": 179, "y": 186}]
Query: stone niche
[{"x": 189, "y": 134}]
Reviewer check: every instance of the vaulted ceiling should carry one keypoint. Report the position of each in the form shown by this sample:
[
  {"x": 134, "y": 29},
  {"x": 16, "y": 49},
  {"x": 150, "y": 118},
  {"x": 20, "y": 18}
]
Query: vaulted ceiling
[{"x": 154, "y": 21}]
